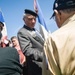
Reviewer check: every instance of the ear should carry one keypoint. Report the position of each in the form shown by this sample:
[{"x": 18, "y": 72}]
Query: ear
[{"x": 57, "y": 15}]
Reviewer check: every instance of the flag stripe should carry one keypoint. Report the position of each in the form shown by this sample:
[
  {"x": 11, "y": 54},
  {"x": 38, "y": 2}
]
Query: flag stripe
[
  {"x": 40, "y": 15},
  {"x": 1, "y": 17},
  {"x": 43, "y": 26}
]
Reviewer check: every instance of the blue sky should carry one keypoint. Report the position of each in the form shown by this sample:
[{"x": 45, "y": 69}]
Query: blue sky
[{"x": 13, "y": 11}]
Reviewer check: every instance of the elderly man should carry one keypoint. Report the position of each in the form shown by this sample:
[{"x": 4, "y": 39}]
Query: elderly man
[
  {"x": 9, "y": 59},
  {"x": 31, "y": 43},
  {"x": 60, "y": 46}
]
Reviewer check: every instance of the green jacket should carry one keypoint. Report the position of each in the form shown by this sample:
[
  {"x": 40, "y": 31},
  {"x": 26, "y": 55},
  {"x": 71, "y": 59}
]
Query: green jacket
[{"x": 9, "y": 62}]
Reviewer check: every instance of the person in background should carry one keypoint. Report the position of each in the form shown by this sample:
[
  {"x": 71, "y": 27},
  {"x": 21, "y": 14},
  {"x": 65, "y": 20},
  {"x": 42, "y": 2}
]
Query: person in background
[
  {"x": 1, "y": 26},
  {"x": 31, "y": 43},
  {"x": 16, "y": 45},
  {"x": 9, "y": 59},
  {"x": 6, "y": 43},
  {"x": 60, "y": 46}
]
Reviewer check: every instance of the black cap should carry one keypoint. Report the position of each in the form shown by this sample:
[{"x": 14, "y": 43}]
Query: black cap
[
  {"x": 63, "y": 4},
  {"x": 1, "y": 23},
  {"x": 27, "y": 11}
]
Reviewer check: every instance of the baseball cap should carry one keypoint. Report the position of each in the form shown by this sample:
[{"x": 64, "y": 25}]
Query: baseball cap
[{"x": 63, "y": 4}]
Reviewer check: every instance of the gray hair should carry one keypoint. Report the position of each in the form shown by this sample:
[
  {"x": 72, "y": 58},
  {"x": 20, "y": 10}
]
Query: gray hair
[{"x": 25, "y": 15}]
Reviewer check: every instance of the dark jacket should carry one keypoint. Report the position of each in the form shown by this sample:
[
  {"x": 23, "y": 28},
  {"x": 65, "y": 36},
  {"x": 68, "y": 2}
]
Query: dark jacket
[
  {"x": 32, "y": 47},
  {"x": 9, "y": 62}
]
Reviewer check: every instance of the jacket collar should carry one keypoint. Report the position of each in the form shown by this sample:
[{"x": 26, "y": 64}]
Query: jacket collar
[{"x": 28, "y": 28}]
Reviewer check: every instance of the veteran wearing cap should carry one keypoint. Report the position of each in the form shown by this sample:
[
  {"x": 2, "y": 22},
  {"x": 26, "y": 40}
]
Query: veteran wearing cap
[
  {"x": 60, "y": 46},
  {"x": 31, "y": 44}
]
